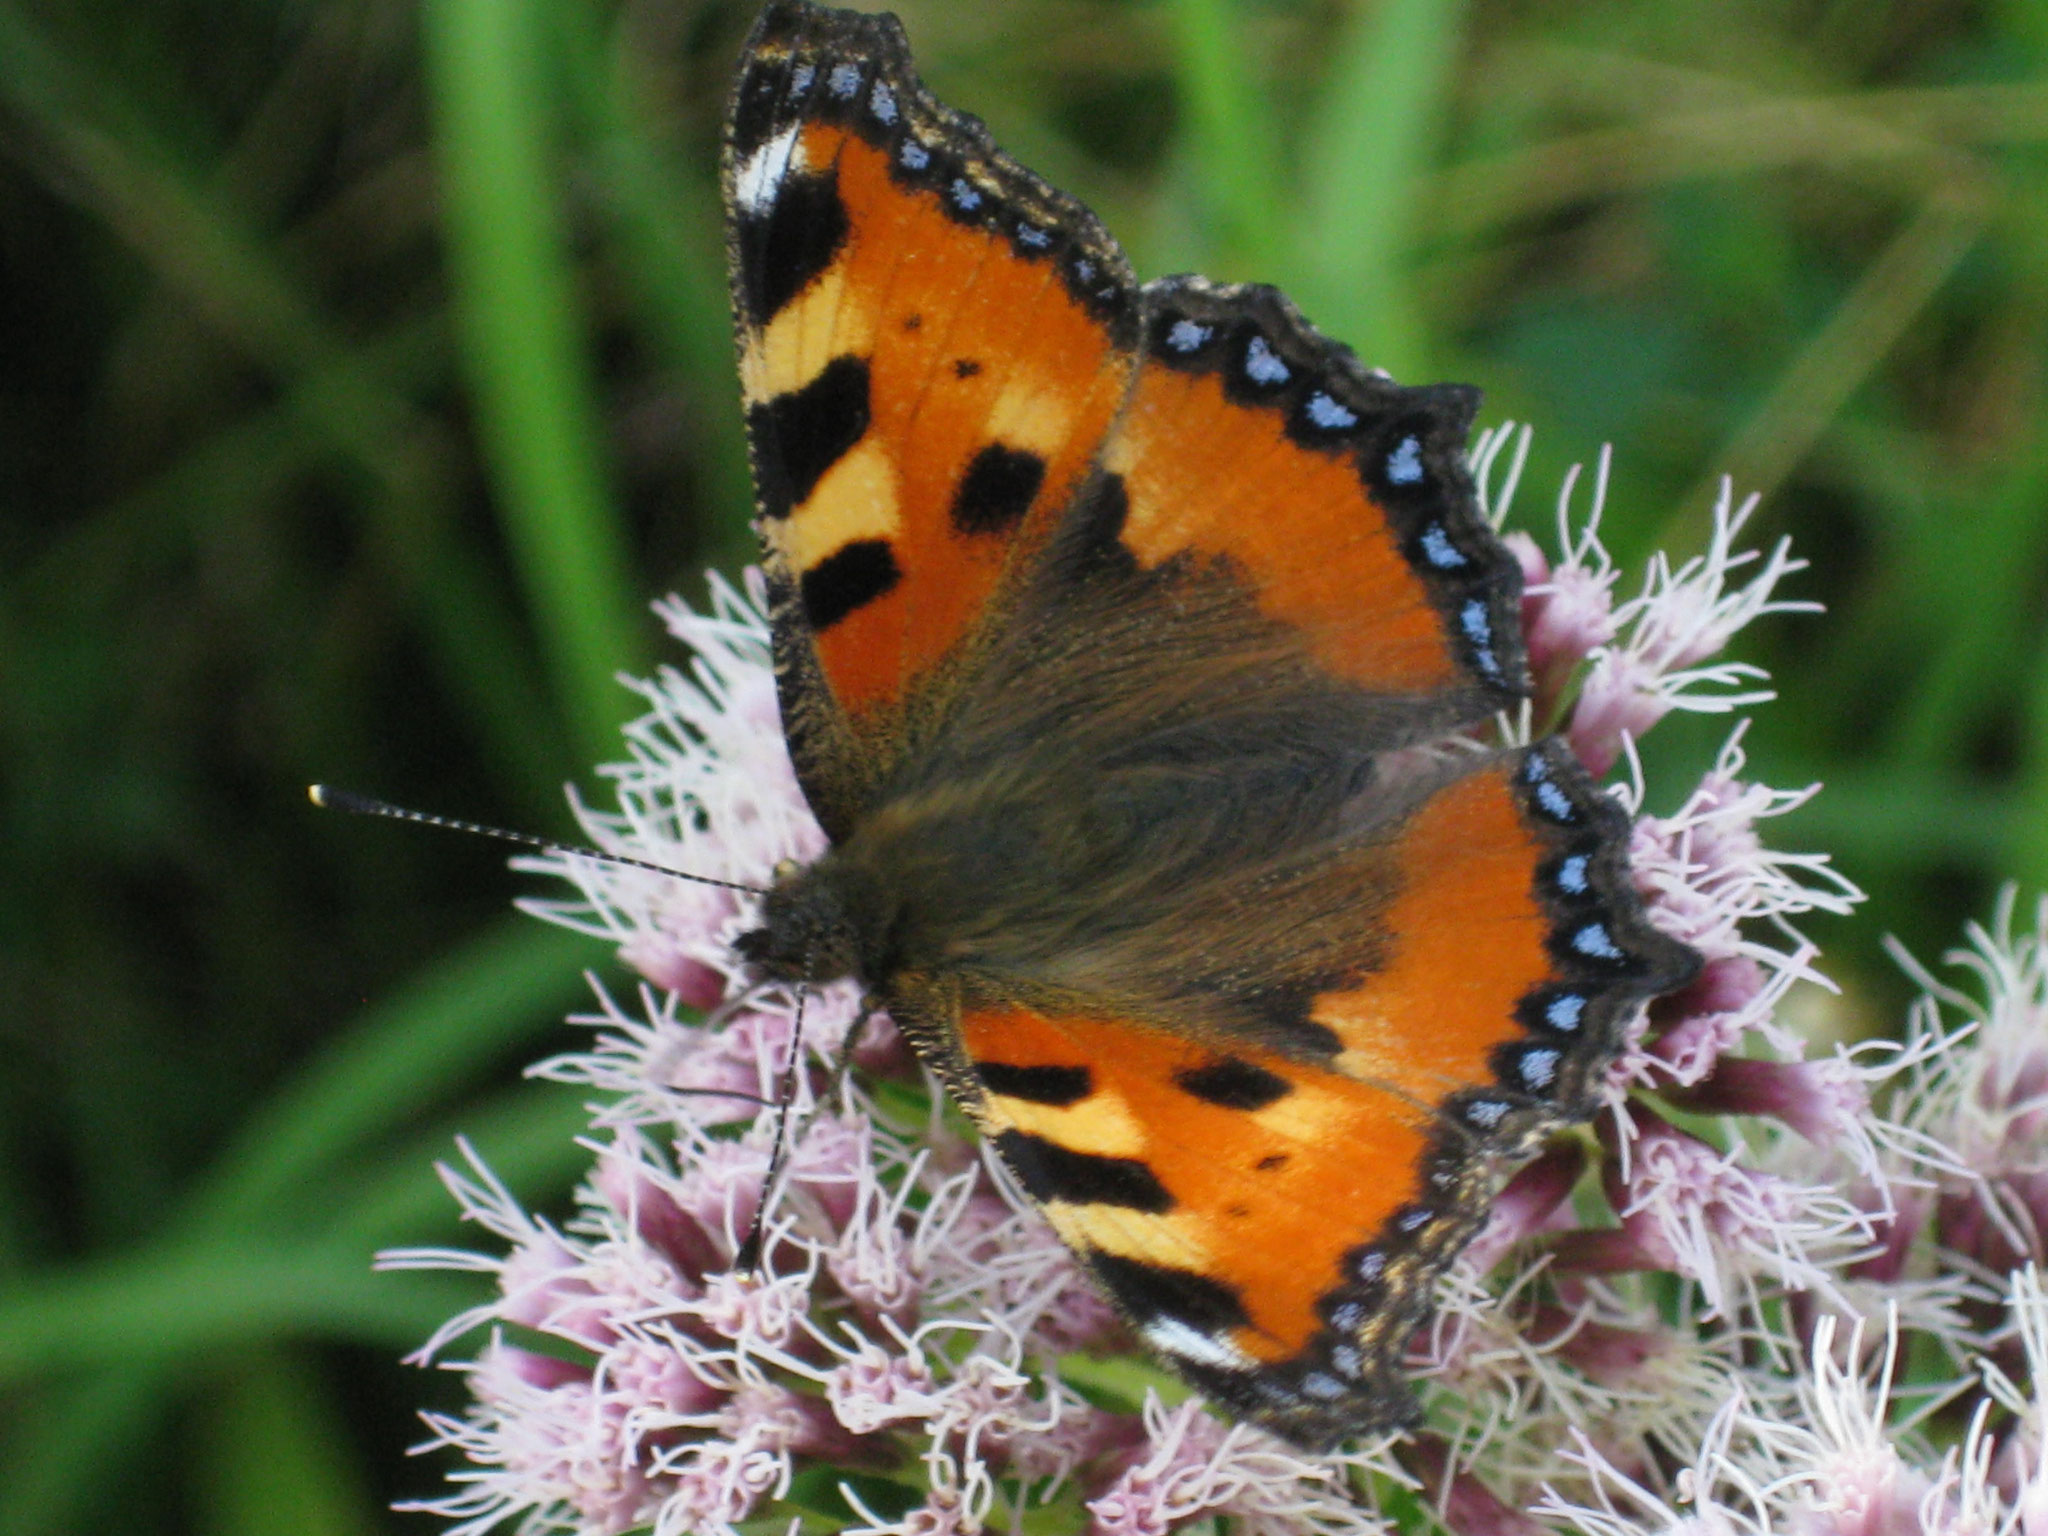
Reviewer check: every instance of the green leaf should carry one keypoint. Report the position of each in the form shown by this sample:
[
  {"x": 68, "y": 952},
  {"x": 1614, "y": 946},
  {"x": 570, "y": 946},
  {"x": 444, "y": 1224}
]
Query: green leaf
[
  {"x": 1119, "y": 1383},
  {"x": 1371, "y": 145},
  {"x": 1235, "y": 172},
  {"x": 271, "y": 1454},
  {"x": 407, "y": 1052},
  {"x": 527, "y": 1137},
  {"x": 56, "y": 1445},
  {"x": 215, "y": 1298},
  {"x": 521, "y": 325}
]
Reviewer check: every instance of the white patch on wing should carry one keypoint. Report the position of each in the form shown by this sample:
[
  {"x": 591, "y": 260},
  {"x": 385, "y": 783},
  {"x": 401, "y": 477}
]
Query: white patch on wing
[
  {"x": 1171, "y": 1336},
  {"x": 755, "y": 184}
]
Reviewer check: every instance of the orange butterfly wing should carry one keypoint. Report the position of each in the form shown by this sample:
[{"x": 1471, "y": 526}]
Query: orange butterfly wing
[
  {"x": 932, "y": 345},
  {"x": 1103, "y": 621},
  {"x": 1340, "y": 497},
  {"x": 1274, "y": 1223}
]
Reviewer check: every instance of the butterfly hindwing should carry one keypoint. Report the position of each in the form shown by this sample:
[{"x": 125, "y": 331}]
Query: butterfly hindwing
[
  {"x": 932, "y": 343},
  {"x": 1518, "y": 947},
  {"x": 1215, "y": 1193},
  {"x": 1274, "y": 1222}
]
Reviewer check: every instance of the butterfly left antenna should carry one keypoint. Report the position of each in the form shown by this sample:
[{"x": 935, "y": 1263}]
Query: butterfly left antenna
[{"x": 327, "y": 797}]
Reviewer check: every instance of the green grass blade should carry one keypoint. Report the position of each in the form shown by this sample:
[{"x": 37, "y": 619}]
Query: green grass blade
[
  {"x": 515, "y": 301},
  {"x": 1371, "y": 145},
  {"x": 669, "y": 241},
  {"x": 1974, "y": 570},
  {"x": 429, "y": 1039},
  {"x": 220, "y": 1298},
  {"x": 271, "y": 1454},
  {"x": 526, "y": 1136},
  {"x": 201, "y": 248},
  {"x": 59, "y": 1471},
  {"x": 1892, "y": 292},
  {"x": 235, "y": 1286},
  {"x": 1230, "y": 142},
  {"x": 1888, "y": 818}
]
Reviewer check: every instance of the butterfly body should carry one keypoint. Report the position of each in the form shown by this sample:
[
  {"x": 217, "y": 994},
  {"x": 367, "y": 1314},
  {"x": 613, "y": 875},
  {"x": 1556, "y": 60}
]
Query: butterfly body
[
  {"x": 1138, "y": 794},
  {"x": 1134, "y": 647}
]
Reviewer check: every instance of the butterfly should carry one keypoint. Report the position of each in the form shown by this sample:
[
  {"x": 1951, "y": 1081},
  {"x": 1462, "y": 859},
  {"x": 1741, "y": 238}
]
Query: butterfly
[{"x": 1133, "y": 646}]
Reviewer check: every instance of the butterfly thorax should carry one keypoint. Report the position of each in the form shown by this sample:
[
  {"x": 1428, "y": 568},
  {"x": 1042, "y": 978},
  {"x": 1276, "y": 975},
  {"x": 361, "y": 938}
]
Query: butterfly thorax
[{"x": 1018, "y": 878}]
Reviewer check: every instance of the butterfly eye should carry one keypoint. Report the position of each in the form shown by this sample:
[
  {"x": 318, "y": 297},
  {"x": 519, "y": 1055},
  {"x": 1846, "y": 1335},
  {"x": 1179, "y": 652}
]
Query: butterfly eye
[{"x": 785, "y": 869}]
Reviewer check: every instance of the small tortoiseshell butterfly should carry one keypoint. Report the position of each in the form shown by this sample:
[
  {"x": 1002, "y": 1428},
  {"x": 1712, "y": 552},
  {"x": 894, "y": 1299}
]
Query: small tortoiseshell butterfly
[{"x": 1114, "y": 626}]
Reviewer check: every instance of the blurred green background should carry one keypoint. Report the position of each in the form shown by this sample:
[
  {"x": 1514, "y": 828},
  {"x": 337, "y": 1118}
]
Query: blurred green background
[{"x": 364, "y": 371}]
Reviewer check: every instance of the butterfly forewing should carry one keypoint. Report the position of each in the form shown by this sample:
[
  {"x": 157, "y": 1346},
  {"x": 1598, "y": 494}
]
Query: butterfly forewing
[{"x": 932, "y": 345}]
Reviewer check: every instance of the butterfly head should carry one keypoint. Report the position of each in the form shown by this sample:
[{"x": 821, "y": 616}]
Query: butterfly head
[{"x": 811, "y": 927}]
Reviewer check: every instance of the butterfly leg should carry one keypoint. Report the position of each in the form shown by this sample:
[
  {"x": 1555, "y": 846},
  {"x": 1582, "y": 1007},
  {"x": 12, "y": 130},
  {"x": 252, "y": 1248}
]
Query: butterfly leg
[
  {"x": 842, "y": 1059},
  {"x": 748, "y": 1259},
  {"x": 749, "y": 1256}
]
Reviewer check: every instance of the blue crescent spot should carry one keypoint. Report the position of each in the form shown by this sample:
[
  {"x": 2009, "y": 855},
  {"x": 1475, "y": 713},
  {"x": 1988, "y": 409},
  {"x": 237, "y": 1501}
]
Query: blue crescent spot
[
  {"x": 844, "y": 81},
  {"x": 914, "y": 155},
  {"x": 1486, "y": 1113},
  {"x": 1593, "y": 940},
  {"x": 1328, "y": 414},
  {"x": 1262, "y": 365},
  {"x": 1187, "y": 336},
  {"x": 1565, "y": 1011},
  {"x": 1571, "y": 874},
  {"x": 882, "y": 102},
  {"x": 1404, "y": 464},
  {"x": 1438, "y": 549},
  {"x": 1539, "y": 1067}
]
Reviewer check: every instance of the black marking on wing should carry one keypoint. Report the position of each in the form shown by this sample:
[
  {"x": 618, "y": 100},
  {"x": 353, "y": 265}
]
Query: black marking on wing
[
  {"x": 805, "y": 432},
  {"x": 849, "y": 578},
  {"x": 1055, "y": 1086},
  {"x": 791, "y": 244},
  {"x": 1233, "y": 1083},
  {"x": 1158, "y": 1290},
  {"x": 997, "y": 489},
  {"x": 1049, "y": 1171}
]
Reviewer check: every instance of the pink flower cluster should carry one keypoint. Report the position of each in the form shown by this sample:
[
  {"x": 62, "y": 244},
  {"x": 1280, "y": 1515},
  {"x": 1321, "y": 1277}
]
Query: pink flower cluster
[{"x": 917, "y": 1353}]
